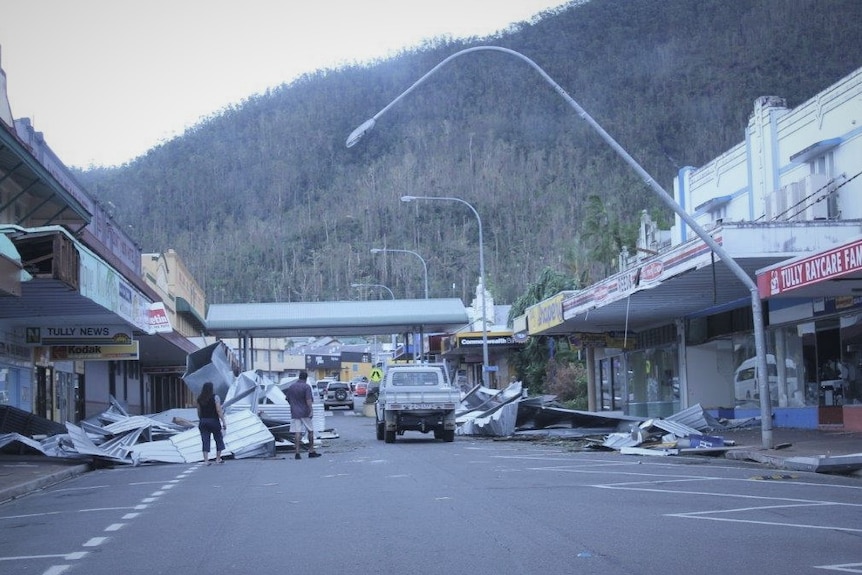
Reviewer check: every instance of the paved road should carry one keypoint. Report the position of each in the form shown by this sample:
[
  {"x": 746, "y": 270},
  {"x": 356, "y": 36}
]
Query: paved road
[{"x": 422, "y": 506}]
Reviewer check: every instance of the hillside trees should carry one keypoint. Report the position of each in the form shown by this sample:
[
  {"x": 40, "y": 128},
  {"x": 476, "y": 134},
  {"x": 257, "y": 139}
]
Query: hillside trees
[{"x": 264, "y": 203}]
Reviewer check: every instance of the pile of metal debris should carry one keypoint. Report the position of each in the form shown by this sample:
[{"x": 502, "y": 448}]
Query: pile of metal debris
[
  {"x": 256, "y": 411},
  {"x": 507, "y": 413}
]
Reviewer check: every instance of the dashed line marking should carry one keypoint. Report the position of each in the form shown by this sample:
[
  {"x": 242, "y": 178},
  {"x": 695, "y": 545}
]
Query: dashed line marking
[
  {"x": 95, "y": 541},
  {"x": 115, "y": 526},
  {"x": 130, "y": 515},
  {"x": 56, "y": 569}
]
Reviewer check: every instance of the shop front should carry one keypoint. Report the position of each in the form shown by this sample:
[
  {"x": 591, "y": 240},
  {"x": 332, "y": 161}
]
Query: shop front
[
  {"x": 815, "y": 321},
  {"x": 637, "y": 374}
]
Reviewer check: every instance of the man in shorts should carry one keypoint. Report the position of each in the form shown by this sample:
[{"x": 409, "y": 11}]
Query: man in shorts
[{"x": 301, "y": 402}]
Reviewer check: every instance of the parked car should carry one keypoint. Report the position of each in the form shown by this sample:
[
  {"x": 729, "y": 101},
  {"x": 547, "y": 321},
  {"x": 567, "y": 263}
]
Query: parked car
[
  {"x": 320, "y": 387},
  {"x": 338, "y": 394},
  {"x": 360, "y": 388}
]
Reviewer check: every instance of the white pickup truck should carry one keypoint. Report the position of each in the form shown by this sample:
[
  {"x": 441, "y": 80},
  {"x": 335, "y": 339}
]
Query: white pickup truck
[{"x": 416, "y": 397}]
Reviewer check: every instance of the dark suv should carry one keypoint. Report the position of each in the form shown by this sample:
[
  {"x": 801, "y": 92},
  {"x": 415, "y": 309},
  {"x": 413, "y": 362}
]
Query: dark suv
[{"x": 338, "y": 394}]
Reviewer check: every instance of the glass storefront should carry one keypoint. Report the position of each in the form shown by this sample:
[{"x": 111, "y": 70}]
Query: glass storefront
[
  {"x": 612, "y": 378},
  {"x": 850, "y": 333},
  {"x": 813, "y": 363},
  {"x": 653, "y": 381},
  {"x": 784, "y": 365}
]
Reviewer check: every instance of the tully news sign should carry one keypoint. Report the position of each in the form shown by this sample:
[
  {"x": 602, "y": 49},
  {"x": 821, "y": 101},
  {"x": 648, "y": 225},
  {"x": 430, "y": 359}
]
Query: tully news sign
[{"x": 79, "y": 335}]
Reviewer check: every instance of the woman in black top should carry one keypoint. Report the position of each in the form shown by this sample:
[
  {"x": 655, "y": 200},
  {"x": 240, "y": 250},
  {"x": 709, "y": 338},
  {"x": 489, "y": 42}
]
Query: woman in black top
[{"x": 209, "y": 415}]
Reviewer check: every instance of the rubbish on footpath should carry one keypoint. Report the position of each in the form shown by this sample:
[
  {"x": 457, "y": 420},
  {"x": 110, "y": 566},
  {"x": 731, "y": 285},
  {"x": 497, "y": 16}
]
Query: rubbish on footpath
[{"x": 506, "y": 413}]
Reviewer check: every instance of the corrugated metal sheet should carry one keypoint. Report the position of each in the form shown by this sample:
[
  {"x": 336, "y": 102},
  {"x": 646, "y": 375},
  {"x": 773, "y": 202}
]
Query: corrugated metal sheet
[
  {"x": 245, "y": 434},
  {"x": 697, "y": 418}
]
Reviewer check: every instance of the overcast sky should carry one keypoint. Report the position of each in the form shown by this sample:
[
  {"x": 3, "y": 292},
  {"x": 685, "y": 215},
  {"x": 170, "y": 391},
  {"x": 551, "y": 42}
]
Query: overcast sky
[{"x": 107, "y": 80}]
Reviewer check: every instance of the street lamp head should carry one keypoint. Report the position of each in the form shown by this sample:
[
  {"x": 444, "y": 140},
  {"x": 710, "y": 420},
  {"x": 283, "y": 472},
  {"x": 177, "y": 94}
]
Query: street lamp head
[
  {"x": 357, "y": 285},
  {"x": 357, "y": 134},
  {"x": 376, "y": 250},
  {"x": 408, "y": 198}
]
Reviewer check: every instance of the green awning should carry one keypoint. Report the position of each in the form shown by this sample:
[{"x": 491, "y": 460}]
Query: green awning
[{"x": 184, "y": 307}]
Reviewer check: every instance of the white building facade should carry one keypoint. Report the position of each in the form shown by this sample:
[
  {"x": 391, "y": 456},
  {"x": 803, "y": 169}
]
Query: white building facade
[{"x": 674, "y": 328}]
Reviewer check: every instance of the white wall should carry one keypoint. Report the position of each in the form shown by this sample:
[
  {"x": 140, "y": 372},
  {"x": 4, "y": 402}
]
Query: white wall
[
  {"x": 710, "y": 375},
  {"x": 759, "y": 175}
]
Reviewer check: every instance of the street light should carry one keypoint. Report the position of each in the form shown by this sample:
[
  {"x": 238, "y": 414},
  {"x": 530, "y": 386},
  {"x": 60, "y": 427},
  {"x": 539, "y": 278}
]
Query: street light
[
  {"x": 756, "y": 308},
  {"x": 424, "y": 265},
  {"x": 374, "y": 285},
  {"x": 481, "y": 274}
]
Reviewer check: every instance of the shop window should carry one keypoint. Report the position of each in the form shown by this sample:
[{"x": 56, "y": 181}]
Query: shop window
[
  {"x": 785, "y": 369},
  {"x": 653, "y": 382}
]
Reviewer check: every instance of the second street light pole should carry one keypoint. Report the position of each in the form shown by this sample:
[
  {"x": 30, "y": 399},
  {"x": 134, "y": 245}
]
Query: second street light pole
[
  {"x": 418, "y": 338},
  {"x": 485, "y": 365}
]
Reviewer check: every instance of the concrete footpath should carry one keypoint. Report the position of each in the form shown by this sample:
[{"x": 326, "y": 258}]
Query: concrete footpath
[
  {"x": 820, "y": 451},
  {"x": 816, "y": 450}
]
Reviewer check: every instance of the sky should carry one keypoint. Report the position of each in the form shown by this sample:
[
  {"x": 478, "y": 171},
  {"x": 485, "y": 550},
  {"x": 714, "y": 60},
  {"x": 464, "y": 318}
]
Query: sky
[{"x": 107, "y": 80}]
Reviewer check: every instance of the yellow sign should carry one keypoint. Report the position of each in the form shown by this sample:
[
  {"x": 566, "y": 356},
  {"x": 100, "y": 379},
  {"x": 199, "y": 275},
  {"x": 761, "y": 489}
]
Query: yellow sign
[
  {"x": 545, "y": 314},
  {"x": 94, "y": 352},
  {"x": 376, "y": 375}
]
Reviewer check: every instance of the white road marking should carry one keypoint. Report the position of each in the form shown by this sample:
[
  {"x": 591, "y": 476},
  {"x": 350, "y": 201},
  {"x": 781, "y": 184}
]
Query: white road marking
[
  {"x": 95, "y": 541},
  {"x": 47, "y": 556},
  {"x": 130, "y": 515},
  {"x": 115, "y": 526},
  {"x": 845, "y": 568},
  {"x": 56, "y": 569},
  {"x": 47, "y": 513}
]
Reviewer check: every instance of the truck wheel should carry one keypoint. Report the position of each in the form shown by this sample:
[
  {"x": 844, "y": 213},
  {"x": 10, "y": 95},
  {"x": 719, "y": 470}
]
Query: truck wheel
[
  {"x": 380, "y": 430},
  {"x": 449, "y": 435},
  {"x": 389, "y": 436},
  {"x": 438, "y": 434}
]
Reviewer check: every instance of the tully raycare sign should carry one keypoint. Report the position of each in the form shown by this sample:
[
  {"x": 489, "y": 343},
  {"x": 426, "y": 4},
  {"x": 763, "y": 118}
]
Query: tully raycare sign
[{"x": 823, "y": 266}]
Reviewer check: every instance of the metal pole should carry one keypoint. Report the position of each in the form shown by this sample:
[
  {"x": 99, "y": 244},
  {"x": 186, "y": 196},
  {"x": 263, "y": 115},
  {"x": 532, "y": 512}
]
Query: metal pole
[
  {"x": 756, "y": 308},
  {"x": 392, "y": 295},
  {"x": 481, "y": 274},
  {"x": 421, "y": 259}
]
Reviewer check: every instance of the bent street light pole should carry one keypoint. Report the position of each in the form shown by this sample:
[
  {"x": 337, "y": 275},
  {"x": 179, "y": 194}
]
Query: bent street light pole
[
  {"x": 756, "y": 308},
  {"x": 481, "y": 275},
  {"x": 392, "y": 295},
  {"x": 421, "y": 259}
]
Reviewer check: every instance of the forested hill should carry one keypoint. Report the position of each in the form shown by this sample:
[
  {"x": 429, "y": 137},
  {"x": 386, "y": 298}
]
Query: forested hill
[{"x": 264, "y": 202}]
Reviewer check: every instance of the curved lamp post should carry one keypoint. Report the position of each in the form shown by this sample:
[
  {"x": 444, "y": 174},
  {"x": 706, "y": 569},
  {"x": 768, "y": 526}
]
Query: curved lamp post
[
  {"x": 481, "y": 274},
  {"x": 424, "y": 265},
  {"x": 756, "y": 307},
  {"x": 392, "y": 295}
]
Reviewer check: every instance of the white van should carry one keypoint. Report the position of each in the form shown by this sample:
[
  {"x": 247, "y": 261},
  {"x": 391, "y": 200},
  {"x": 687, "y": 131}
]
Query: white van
[{"x": 745, "y": 387}]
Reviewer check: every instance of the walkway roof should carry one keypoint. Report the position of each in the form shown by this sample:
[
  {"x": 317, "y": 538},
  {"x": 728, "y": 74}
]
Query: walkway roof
[{"x": 335, "y": 318}]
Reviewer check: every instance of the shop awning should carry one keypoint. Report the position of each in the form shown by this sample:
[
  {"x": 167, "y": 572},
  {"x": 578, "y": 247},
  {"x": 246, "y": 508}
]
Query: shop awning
[{"x": 835, "y": 271}]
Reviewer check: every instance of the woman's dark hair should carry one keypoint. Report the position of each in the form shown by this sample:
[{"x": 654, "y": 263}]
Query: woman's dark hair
[{"x": 206, "y": 392}]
